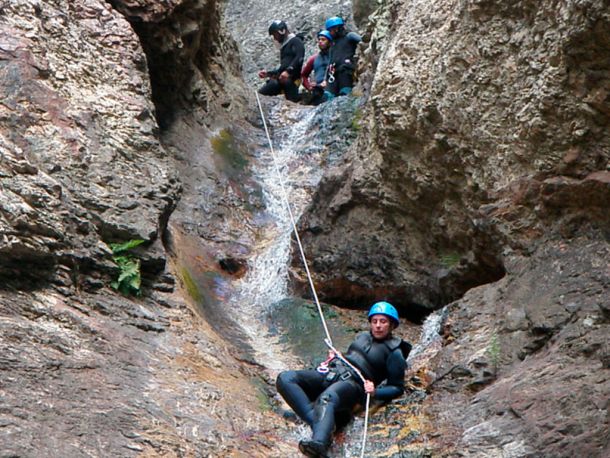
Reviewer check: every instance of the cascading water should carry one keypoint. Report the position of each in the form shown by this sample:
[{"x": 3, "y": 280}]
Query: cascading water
[
  {"x": 297, "y": 156},
  {"x": 430, "y": 339}
]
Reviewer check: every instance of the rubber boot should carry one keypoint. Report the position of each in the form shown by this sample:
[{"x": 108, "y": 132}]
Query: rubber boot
[
  {"x": 323, "y": 427},
  {"x": 313, "y": 449},
  {"x": 328, "y": 96}
]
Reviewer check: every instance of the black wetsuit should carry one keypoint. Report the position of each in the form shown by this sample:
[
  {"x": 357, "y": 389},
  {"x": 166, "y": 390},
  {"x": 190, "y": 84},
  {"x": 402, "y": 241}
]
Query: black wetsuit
[
  {"x": 342, "y": 58},
  {"x": 291, "y": 60},
  {"x": 321, "y": 399}
]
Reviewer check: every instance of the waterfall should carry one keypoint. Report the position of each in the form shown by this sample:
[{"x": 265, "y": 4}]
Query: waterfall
[
  {"x": 430, "y": 336},
  {"x": 298, "y": 157}
]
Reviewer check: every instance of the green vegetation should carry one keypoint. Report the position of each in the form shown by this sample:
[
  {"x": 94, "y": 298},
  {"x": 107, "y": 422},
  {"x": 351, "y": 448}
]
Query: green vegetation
[
  {"x": 357, "y": 120},
  {"x": 129, "y": 280},
  {"x": 225, "y": 146},
  {"x": 449, "y": 260},
  {"x": 190, "y": 285},
  {"x": 493, "y": 351},
  {"x": 262, "y": 396}
]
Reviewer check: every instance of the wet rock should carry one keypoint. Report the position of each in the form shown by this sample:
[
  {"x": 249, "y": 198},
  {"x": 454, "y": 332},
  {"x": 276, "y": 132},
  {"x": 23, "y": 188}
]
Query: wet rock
[
  {"x": 84, "y": 370},
  {"x": 457, "y": 155},
  {"x": 542, "y": 371}
]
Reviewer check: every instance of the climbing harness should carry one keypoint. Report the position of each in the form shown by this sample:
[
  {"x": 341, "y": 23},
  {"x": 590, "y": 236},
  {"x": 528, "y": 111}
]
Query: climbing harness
[
  {"x": 328, "y": 340},
  {"x": 323, "y": 366}
]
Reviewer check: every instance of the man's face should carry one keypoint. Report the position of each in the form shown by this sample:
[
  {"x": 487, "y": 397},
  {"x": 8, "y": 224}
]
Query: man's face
[
  {"x": 278, "y": 36},
  {"x": 381, "y": 326},
  {"x": 333, "y": 31},
  {"x": 323, "y": 43}
]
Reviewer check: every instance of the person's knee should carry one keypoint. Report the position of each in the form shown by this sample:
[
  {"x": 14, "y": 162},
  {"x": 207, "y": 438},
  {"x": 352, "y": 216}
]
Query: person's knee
[
  {"x": 285, "y": 378},
  {"x": 328, "y": 398}
]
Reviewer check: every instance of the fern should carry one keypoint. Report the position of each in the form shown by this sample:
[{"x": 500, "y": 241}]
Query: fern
[
  {"x": 118, "y": 248},
  {"x": 129, "y": 280}
]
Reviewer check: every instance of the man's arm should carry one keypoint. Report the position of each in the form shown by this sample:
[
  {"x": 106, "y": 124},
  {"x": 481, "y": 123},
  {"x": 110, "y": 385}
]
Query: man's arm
[
  {"x": 395, "y": 384},
  {"x": 353, "y": 36},
  {"x": 307, "y": 68}
]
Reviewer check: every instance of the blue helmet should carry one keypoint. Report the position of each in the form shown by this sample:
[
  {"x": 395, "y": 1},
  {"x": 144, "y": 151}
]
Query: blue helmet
[
  {"x": 326, "y": 34},
  {"x": 334, "y": 21},
  {"x": 384, "y": 308}
]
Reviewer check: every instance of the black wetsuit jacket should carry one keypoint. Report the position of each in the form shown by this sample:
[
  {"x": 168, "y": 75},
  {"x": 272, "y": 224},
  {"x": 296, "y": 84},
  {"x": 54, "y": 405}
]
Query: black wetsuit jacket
[
  {"x": 343, "y": 49},
  {"x": 292, "y": 54},
  {"x": 381, "y": 360}
]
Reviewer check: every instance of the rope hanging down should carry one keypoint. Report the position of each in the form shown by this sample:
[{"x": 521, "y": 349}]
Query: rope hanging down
[
  {"x": 328, "y": 340},
  {"x": 292, "y": 220}
]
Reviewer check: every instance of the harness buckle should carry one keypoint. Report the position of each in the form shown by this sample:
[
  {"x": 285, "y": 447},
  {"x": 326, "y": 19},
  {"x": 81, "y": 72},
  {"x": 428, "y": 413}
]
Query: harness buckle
[{"x": 345, "y": 375}]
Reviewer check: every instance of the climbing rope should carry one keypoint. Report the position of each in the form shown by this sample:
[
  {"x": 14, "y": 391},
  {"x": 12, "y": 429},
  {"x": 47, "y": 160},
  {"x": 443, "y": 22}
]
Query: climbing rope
[
  {"x": 368, "y": 395},
  {"x": 328, "y": 340},
  {"x": 292, "y": 220}
]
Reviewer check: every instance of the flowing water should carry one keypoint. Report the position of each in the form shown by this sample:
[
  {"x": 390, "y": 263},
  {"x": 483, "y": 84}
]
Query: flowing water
[{"x": 288, "y": 175}]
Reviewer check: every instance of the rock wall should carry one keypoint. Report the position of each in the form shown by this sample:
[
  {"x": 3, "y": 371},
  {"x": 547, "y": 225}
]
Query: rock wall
[
  {"x": 87, "y": 102},
  {"x": 484, "y": 158},
  {"x": 455, "y": 132},
  {"x": 66, "y": 147}
]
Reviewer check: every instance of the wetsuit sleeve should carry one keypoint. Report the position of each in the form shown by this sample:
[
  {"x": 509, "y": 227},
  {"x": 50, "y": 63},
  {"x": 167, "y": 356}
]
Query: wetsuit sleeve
[
  {"x": 395, "y": 383},
  {"x": 353, "y": 36},
  {"x": 298, "y": 52},
  {"x": 307, "y": 68}
]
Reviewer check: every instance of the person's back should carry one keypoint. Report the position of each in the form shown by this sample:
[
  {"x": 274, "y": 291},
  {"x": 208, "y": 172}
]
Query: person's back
[{"x": 292, "y": 53}]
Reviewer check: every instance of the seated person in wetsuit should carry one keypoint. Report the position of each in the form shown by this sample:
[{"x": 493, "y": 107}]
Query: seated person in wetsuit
[
  {"x": 292, "y": 51},
  {"x": 318, "y": 64},
  {"x": 319, "y": 397}
]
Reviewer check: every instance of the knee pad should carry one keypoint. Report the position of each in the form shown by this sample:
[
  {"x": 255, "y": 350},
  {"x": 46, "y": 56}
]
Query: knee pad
[{"x": 327, "y": 398}]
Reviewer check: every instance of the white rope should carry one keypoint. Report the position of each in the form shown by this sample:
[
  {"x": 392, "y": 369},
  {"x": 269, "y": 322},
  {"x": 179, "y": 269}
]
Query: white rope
[
  {"x": 368, "y": 395},
  {"x": 366, "y": 424},
  {"x": 328, "y": 340},
  {"x": 292, "y": 220}
]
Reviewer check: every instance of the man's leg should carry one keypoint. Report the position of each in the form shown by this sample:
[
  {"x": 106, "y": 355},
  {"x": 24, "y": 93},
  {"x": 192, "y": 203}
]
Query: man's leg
[
  {"x": 344, "y": 79},
  {"x": 271, "y": 87},
  {"x": 291, "y": 91},
  {"x": 341, "y": 397},
  {"x": 300, "y": 389}
]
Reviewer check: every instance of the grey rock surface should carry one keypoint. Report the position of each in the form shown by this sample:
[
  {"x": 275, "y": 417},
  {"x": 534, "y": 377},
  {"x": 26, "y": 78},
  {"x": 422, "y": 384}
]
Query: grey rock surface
[{"x": 478, "y": 176}]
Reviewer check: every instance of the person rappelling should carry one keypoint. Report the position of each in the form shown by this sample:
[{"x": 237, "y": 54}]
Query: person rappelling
[
  {"x": 319, "y": 64},
  {"x": 373, "y": 366},
  {"x": 292, "y": 52}
]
